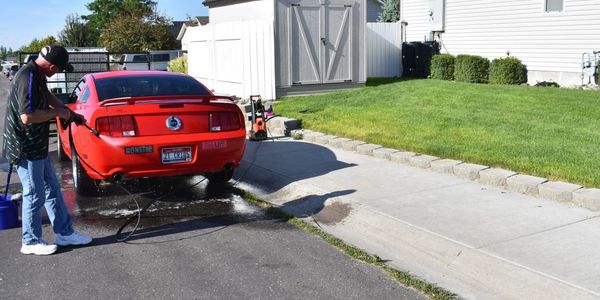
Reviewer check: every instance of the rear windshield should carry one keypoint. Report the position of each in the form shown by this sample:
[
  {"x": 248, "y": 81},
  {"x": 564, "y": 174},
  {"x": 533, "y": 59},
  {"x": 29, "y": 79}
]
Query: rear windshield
[{"x": 147, "y": 85}]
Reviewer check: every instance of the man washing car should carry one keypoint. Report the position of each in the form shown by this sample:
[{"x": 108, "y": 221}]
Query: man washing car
[{"x": 26, "y": 136}]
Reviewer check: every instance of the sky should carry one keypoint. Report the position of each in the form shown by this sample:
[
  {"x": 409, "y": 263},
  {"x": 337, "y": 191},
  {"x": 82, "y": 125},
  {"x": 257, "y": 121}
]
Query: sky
[{"x": 24, "y": 20}]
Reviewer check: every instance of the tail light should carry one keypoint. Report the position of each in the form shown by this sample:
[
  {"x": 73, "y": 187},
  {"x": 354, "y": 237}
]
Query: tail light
[
  {"x": 116, "y": 126},
  {"x": 223, "y": 121}
]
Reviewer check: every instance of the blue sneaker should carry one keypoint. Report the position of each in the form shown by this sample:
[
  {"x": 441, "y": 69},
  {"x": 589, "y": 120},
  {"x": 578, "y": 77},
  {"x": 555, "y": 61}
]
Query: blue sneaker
[{"x": 75, "y": 239}]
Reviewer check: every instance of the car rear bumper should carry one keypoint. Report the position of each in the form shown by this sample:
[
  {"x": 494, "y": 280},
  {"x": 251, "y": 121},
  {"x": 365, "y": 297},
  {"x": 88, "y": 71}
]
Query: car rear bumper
[{"x": 207, "y": 154}]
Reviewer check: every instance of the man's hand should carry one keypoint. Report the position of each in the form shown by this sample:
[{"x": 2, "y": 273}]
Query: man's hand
[{"x": 77, "y": 118}]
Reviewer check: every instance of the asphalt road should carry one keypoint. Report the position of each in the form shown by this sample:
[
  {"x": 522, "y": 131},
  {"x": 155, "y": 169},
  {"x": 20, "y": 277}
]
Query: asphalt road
[{"x": 199, "y": 242}]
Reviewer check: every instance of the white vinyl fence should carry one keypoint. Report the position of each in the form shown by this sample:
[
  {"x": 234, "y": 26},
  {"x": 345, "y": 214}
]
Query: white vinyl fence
[
  {"x": 384, "y": 49},
  {"x": 235, "y": 58}
]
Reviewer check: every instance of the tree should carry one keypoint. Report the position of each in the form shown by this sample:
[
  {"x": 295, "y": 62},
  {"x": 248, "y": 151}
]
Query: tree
[
  {"x": 77, "y": 33},
  {"x": 105, "y": 11},
  {"x": 3, "y": 53},
  {"x": 130, "y": 32},
  {"x": 390, "y": 12},
  {"x": 36, "y": 45}
]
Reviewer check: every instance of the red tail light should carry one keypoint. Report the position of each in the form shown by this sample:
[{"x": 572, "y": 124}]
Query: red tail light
[
  {"x": 116, "y": 126},
  {"x": 223, "y": 121}
]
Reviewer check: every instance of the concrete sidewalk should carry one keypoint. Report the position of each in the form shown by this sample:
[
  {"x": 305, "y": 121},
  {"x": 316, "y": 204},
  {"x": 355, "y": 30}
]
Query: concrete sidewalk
[{"x": 477, "y": 241}]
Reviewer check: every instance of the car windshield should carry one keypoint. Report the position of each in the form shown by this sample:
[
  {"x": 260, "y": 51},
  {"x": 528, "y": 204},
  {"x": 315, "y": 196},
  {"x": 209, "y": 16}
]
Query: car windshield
[{"x": 147, "y": 85}]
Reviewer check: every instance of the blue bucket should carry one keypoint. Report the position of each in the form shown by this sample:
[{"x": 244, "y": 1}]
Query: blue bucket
[{"x": 9, "y": 213}]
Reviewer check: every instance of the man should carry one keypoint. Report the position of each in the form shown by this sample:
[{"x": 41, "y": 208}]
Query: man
[{"x": 26, "y": 137}]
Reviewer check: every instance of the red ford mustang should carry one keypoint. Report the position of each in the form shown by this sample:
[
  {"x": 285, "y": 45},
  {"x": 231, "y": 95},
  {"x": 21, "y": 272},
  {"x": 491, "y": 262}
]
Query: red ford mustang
[{"x": 150, "y": 124}]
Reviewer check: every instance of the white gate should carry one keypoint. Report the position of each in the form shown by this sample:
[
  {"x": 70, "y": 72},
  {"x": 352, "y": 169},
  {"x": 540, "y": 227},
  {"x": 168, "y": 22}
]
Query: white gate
[
  {"x": 320, "y": 43},
  {"x": 234, "y": 58},
  {"x": 384, "y": 49}
]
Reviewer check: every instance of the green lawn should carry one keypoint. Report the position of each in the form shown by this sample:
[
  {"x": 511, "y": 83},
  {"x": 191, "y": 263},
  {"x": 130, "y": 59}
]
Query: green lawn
[{"x": 548, "y": 132}]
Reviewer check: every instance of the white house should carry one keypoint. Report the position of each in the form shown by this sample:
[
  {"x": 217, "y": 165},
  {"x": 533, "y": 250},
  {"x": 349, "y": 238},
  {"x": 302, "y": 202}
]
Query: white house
[
  {"x": 549, "y": 36},
  {"x": 279, "y": 47}
]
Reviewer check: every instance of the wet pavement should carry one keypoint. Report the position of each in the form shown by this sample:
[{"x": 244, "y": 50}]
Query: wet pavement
[{"x": 170, "y": 200}]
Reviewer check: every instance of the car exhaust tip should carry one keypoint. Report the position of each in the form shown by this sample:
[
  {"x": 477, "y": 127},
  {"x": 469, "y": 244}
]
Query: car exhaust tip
[{"x": 118, "y": 177}]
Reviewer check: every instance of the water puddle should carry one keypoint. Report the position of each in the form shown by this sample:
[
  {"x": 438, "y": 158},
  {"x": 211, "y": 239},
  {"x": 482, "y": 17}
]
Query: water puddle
[{"x": 180, "y": 199}]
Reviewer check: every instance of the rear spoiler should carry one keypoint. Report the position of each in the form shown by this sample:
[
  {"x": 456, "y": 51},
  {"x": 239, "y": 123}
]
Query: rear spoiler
[{"x": 167, "y": 99}]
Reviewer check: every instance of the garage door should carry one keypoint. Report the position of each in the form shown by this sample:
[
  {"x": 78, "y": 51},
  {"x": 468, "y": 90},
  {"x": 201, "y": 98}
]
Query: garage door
[{"x": 320, "y": 43}]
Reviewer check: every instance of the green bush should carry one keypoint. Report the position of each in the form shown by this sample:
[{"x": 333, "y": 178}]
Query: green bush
[
  {"x": 471, "y": 68},
  {"x": 179, "y": 64},
  {"x": 508, "y": 70},
  {"x": 442, "y": 67}
]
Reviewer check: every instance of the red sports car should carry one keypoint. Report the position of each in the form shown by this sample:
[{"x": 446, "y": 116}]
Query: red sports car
[{"x": 150, "y": 124}]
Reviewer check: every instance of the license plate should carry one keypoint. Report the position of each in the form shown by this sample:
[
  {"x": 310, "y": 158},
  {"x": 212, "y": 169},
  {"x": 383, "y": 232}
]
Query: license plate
[
  {"x": 176, "y": 155},
  {"x": 138, "y": 149}
]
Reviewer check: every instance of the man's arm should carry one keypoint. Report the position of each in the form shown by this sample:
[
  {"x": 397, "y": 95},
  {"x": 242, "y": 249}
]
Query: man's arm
[
  {"x": 54, "y": 102},
  {"x": 45, "y": 115},
  {"x": 58, "y": 109}
]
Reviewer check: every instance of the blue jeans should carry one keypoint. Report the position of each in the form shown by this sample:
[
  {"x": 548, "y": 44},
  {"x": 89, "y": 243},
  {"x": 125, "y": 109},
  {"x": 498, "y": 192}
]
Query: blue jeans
[{"x": 41, "y": 188}]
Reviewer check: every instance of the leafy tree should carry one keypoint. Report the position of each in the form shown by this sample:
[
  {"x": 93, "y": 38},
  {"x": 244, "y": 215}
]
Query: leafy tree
[
  {"x": 3, "y": 53},
  {"x": 390, "y": 12},
  {"x": 130, "y": 32},
  {"x": 36, "y": 45},
  {"x": 77, "y": 33},
  {"x": 105, "y": 11}
]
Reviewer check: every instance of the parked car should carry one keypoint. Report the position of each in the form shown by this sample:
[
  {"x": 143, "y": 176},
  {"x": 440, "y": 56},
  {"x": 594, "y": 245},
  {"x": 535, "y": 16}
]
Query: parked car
[
  {"x": 150, "y": 124},
  {"x": 153, "y": 60}
]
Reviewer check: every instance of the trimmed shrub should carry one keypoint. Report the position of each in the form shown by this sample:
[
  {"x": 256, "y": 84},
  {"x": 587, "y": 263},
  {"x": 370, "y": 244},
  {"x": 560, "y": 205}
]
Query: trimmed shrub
[
  {"x": 442, "y": 67},
  {"x": 179, "y": 64},
  {"x": 508, "y": 70},
  {"x": 471, "y": 68}
]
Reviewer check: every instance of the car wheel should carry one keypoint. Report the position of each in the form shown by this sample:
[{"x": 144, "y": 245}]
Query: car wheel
[
  {"x": 220, "y": 177},
  {"x": 83, "y": 184},
  {"x": 61, "y": 151}
]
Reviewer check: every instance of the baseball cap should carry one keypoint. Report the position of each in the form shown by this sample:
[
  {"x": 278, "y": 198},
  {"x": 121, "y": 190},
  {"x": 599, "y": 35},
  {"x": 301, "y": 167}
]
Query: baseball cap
[{"x": 58, "y": 56}]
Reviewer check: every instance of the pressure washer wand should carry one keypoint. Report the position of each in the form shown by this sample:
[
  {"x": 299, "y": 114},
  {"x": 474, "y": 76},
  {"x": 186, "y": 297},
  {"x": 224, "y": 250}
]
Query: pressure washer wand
[{"x": 78, "y": 120}]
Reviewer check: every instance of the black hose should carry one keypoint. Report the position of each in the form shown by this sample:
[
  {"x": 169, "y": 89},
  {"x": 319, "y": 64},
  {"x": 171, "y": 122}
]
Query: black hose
[{"x": 133, "y": 197}]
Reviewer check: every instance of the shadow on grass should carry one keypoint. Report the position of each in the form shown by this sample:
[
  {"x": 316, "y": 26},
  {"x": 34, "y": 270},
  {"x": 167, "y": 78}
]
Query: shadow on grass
[{"x": 377, "y": 81}]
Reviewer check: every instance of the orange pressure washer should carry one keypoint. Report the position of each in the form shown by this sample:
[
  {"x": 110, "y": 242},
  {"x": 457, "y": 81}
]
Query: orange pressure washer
[{"x": 258, "y": 129}]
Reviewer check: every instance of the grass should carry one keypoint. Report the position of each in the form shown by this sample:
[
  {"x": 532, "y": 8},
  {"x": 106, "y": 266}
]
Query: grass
[
  {"x": 430, "y": 290},
  {"x": 548, "y": 132}
]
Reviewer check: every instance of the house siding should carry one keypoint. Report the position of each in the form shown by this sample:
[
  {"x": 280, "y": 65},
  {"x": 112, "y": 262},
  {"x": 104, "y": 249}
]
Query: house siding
[{"x": 550, "y": 44}]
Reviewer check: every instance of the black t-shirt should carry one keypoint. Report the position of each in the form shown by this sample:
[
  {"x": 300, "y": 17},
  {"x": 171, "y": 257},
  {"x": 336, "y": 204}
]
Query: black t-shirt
[{"x": 28, "y": 93}]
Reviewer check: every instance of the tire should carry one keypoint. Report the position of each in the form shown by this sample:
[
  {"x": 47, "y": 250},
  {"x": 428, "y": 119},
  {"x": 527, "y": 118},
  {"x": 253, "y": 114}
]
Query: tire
[
  {"x": 220, "y": 177},
  {"x": 83, "y": 184},
  {"x": 60, "y": 152}
]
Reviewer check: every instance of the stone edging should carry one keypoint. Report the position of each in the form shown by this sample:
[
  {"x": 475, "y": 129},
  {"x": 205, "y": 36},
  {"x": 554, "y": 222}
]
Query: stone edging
[{"x": 530, "y": 185}]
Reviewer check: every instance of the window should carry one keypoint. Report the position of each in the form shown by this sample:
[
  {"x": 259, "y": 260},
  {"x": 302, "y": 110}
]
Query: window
[
  {"x": 85, "y": 96},
  {"x": 147, "y": 86},
  {"x": 554, "y": 5},
  {"x": 160, "y": 57},
  {"x": 140, "y": 58}
]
